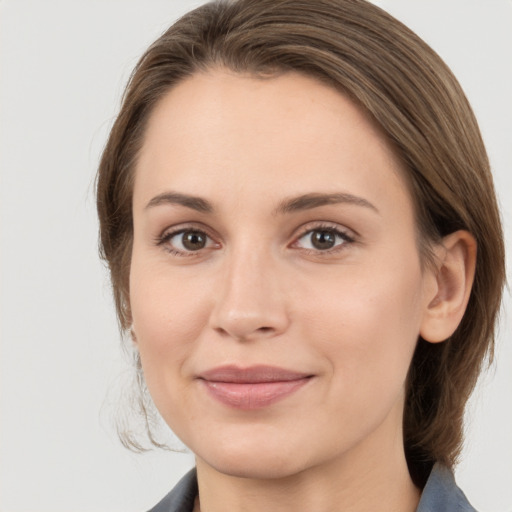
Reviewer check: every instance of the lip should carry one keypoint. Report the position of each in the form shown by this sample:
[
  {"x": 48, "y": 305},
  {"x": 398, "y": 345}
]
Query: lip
[{"x": 253, "y": 387}]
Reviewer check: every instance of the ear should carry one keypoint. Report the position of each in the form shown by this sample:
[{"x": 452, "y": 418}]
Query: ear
[{"x": 452, "y": 279}]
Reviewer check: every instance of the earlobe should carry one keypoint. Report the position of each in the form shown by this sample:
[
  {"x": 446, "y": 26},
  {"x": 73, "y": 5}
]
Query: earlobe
[{"x": 453, "y": 275}]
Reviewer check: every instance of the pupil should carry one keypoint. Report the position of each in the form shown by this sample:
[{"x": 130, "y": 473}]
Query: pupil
[
  {"x": 323, "y": 239},
  {"x": 193, "y": 241}
]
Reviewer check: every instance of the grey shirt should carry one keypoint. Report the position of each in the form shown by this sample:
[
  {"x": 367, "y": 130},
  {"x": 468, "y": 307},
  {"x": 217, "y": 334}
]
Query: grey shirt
[{"x": 440, "y": 494}]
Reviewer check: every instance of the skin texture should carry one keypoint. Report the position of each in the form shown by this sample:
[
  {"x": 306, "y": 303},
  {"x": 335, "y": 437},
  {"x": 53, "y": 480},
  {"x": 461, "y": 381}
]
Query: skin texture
[{"x": 260, "y": 293}]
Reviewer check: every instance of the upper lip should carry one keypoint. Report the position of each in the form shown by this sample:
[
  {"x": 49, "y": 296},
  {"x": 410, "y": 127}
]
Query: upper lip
[{"x": 251, "y": 374}]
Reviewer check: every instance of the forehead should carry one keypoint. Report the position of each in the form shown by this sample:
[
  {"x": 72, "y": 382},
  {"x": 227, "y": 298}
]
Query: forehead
[{"x": 220, "y": 131}]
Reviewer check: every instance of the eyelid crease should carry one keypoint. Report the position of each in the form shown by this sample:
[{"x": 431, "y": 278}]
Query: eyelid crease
[
  {"x": 184, "y": 226},
  {"x": 335, "y": 227},
  {"x": 173, "y": 231}
]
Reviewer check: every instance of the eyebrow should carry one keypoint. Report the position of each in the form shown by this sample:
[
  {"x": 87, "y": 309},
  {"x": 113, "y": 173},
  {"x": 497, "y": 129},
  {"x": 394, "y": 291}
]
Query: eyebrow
[
  {"x": 295, "y": 204},
  {"x": 315, "y": 200},
  {"x": 195, "y": 203}
]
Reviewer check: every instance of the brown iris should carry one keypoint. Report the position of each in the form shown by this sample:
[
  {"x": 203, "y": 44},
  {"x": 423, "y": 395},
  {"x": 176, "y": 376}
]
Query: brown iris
[
  {"x": 323, "y": 240},
  {"x": 193, "y": 240}
]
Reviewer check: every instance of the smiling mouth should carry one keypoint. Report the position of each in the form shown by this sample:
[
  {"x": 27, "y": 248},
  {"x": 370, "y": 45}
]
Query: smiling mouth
[{"x": 254, "y": 387}]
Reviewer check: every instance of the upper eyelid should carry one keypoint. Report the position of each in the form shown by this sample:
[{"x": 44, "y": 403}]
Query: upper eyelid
[
  {"x": 297, "y": 233},
  {"x": 326, "y": 225},
  {"x": 185, "y": 226}
]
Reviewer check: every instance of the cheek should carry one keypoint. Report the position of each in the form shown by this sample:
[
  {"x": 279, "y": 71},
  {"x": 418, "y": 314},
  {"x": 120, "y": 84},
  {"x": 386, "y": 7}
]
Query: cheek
[
  {"x": 168, "y": 317},
  {"x": 367, "y": 325}
]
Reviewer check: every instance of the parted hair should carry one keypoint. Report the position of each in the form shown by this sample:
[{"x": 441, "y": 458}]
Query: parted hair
[{"x": 396, "y": 78}]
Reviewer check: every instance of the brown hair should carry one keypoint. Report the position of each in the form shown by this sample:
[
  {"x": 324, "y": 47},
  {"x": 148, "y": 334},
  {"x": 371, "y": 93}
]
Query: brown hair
[{"x": 419, "y": 105}]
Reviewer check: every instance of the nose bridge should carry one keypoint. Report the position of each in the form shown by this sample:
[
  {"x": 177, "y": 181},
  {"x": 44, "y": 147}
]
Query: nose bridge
[{"x": 250, "y": 302}]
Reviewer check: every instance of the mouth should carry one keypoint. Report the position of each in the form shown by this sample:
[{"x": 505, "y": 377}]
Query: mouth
[{"x": 254, "y": 387}]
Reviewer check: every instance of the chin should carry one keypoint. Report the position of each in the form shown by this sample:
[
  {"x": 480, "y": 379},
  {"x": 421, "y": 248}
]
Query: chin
[
  {"x": 255, "y": 468},
  {"x": 255, "y": 462}
]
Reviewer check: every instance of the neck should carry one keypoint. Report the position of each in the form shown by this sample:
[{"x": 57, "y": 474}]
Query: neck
[{"x": 373, "y": 476}]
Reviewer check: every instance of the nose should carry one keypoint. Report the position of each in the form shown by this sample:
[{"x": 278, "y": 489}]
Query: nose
[{"x": 251, "y": 303}]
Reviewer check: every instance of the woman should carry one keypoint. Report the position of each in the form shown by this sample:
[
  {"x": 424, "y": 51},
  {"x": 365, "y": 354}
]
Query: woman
[{"x": 299, "y": 218}]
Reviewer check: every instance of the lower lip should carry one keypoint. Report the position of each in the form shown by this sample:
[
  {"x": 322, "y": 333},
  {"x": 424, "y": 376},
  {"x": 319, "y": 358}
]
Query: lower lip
[{"x": 254, "y": 395}]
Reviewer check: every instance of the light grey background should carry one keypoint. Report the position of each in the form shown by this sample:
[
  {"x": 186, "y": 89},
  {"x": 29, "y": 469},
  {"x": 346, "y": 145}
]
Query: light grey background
[{"x": 63, "y": 68}]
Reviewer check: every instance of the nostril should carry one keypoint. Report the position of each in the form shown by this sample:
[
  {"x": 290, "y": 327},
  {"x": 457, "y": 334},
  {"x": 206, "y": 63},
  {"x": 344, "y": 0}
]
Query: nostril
[
  {"x": 221, "y": 331},
  {"x": 265, "y": 329}
]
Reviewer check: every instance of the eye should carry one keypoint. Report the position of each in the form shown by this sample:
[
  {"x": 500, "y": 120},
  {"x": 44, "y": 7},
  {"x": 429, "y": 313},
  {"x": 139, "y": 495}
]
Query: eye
[
  {"x": 323, "y": 239},
  {"x": 186, "y": 241}
]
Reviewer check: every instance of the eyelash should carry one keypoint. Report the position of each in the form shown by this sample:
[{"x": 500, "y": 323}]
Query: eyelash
[
  {"x": 326, "y": 228},
  {"x": 166, "y": 237}
]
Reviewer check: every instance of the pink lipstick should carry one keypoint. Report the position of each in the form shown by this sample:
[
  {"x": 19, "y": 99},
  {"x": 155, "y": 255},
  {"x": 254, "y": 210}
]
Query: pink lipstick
[{"x": 254, "y": 387}]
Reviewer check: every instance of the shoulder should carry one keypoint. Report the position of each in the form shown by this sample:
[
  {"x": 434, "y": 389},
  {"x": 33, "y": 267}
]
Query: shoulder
[
  {"x": 441, "y": 493},
  {"x": 182, "y": 496}
]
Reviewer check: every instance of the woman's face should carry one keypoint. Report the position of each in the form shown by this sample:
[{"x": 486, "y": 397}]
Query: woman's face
[{"x": 275, "y": 286}]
